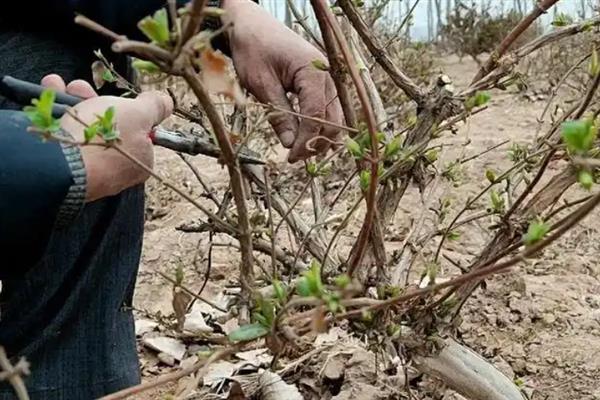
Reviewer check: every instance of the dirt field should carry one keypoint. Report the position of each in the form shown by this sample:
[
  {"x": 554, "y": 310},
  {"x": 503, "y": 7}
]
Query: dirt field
[{"x": 541, "y": 326}]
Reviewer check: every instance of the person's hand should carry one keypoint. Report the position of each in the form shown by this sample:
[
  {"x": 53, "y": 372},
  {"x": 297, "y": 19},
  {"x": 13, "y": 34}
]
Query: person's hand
[
  {"x": 108, "y": 171},
  {"x": 271, "y": 61}
]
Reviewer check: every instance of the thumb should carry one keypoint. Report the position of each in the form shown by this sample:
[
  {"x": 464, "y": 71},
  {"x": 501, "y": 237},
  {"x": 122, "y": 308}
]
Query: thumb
[{"x": 154, "y": 106}]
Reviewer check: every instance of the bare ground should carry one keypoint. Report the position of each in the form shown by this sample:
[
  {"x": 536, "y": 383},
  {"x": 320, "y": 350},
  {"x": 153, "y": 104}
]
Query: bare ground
[{"x": 540, "y": 323}]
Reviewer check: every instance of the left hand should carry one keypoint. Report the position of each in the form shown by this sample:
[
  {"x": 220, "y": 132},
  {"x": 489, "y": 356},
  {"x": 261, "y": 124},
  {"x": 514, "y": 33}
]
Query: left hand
[{"x": 271, "y": 61}]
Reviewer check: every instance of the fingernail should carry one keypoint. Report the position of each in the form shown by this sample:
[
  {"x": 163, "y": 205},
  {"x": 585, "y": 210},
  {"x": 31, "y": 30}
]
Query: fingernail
[{"x": 287, "y": 139}]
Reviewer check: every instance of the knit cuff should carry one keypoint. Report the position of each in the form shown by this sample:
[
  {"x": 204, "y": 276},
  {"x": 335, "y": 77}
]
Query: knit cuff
[{"x": 75, "y": 198}]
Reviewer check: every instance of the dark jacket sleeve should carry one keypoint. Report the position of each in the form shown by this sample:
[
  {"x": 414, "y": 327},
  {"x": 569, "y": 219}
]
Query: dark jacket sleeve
[{"x": 41, "y": 184}]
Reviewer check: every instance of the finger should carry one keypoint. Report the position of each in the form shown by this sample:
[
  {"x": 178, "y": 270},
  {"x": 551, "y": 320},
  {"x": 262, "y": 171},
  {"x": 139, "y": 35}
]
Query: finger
[
  {"x": 54, "y": 82},
  {"x": 154, "y": 106},
  {"x": 81, "y": 88},
  {"x": 310, "y": 85},
  {"x": 284, "y": 123}
]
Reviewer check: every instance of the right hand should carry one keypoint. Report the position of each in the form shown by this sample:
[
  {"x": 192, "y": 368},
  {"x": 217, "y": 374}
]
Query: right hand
[{"x": 108, "y": 171}]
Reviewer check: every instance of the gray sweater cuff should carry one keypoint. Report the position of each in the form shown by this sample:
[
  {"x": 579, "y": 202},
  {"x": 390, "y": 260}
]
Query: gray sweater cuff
[{"x": 75, "y": 198}]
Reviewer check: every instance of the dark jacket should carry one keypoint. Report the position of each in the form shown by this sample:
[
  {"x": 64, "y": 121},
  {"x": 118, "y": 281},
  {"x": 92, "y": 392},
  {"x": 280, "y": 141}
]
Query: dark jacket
[{"x": 68, "y": 270}]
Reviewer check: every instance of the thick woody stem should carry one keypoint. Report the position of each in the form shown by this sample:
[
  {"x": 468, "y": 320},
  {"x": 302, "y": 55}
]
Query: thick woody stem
[
  {"x": 411, "y": 89},
  {"x": 323, "y": 10},
  {"x": 235, "y": 175},
  {"x": 194, "y": 20},
  {"x": 337, "y": 68}
]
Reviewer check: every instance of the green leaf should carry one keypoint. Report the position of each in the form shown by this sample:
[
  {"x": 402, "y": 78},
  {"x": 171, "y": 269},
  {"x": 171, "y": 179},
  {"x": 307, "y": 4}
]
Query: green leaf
[
  {"x": 477, "y": 100},
  {"x": 535, "y": 232},
  {"x": 579, "y": 135},
  {"x": 143, "y": 66},
  {"x": 586, "y": 179},
  {"x": 108, "y": 129},
  {"x": 490, "y": 175},
  {"x": 393, "y": 147},
  {"x": 365, "y": 179},
  {"x": 342, "y": 281},
  {"x": 320, "y": 65},
  {"x": 40, "y": 112},
  {"x": 498, "y": 204},
  {"x": 311, "y": 169},
  {"x": 452, "y": 235},
  {"x": 432, "y": 155},
  {"x": 313, "y": 275},
  {"x": 267, "y": 310},
  {"x": 248, "y": 332},
  {"x": 108, "y": 76},
  {"x": 302, "y": 287},
  {"x": 354, "y": 148},
  {"x": 332, "y": 301},
  {"x": 280, "y": 291},
  {"x": 562, "y": 19},
  {"x": 156, "y": 27},
  {"x": 90, "y": 132}
]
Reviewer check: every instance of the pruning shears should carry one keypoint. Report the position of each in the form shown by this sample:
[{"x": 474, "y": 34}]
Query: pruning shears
[{"x": 23, "y": 92}]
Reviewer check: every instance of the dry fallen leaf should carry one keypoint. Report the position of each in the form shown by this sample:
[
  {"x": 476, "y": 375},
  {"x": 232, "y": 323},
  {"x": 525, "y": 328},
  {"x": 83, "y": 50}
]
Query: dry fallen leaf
[
  {"x": 166, "y": 345},
  {"x": 181, "y": 300},
  {"x": 273, "y": 387},
  {"x": 217, "y": 76}
]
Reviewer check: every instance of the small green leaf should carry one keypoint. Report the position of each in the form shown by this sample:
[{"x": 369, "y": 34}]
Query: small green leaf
[
  {"x": 311, "y": 169},
  {"x": 90, "y": 132},
  {"x": 562, "y": 19},
  {"x": 498, "y": 204},
  {"x": 267, "y": 310},
  {"x": 519, "y": 382},
  {"x": 320, "y": 65},
  {"x": 280, "y": 291},
  {"x": 108, "y": 129},
  {"x": 313, "y": 276},
  {"x": 586, "y": 179},
  {"x": 393, "y": 147},
  {"x": 579, "y": 135},
  {"x": 248, "y": 332},
  {"x": 432, "y": 155},
  {"x": 40, "y": 112},
  {"x": 342, "y": 281},
  {"x": 302, "y": 287},
  {"x": 490, "y": 175},
  {"x": 365, "y": 179},
  {"x": 535, "y": 232},
  {"x": 143, "y": 66},
  {"x": 354, "y": 148},
  {"x": 452, "y": 235},
  {"x": 156, "y": 27},
  {"x": 477, "y": 100},
  {"x": 108, "y": 76}
]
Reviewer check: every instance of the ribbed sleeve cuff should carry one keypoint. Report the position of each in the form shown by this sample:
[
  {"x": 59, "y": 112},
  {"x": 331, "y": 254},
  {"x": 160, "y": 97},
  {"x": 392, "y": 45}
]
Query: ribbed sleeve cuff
[{"x": 75, "y": 198}]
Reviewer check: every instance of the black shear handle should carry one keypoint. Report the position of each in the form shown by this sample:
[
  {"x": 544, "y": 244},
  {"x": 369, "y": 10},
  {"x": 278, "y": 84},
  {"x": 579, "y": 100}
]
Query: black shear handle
[{"x": 23, "y": 92}]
